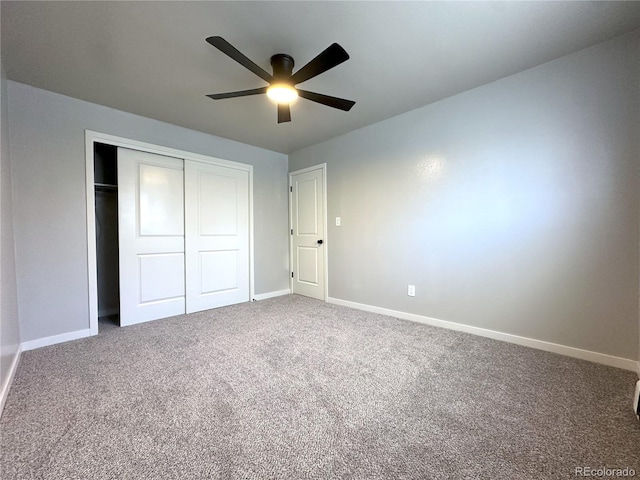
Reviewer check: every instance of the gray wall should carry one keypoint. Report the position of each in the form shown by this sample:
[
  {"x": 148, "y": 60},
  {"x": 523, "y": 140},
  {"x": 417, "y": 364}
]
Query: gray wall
[
  {"x": 511, "y": 207},
  {"x": 9, "y": 327},
  {"x": 47, "y": 149}
]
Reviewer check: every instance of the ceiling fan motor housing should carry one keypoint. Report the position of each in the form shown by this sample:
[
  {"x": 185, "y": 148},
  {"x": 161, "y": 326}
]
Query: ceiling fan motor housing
[{"x": 282, "y": 65}]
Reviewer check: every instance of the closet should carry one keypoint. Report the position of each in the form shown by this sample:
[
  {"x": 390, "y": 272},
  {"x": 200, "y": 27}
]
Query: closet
[
  {"x": 182, "y": 230},
  {"x": 106, "y": 210}
]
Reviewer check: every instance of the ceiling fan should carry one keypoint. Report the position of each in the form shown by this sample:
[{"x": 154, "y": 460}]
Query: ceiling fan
[{"x": 281, "y": 88}]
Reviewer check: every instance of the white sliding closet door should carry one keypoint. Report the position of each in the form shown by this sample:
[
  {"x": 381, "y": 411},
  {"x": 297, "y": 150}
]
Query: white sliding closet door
[
  {"x": 217, "y": 235},
  {"x": 151, "y": 236}
]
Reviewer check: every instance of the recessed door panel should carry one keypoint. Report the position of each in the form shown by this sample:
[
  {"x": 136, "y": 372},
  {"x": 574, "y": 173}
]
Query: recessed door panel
[
  {"x": 221, "y": 195},
  {"x": 161, "y": 193},
  {"x": 308, "y": 265},
  {"x": 161, "y": 276},
  {"x": 307, "y": 211},
  {"x": 218, "y": 271}
]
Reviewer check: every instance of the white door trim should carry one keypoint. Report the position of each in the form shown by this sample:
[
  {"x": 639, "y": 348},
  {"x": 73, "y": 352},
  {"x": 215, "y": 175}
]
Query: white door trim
[
  {"x": 323, "y": 167},
  {"x": 90, "y": 138}
]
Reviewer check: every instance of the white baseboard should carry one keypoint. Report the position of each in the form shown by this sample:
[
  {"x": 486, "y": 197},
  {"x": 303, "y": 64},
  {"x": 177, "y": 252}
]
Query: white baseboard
[
  {"x": 46, "y": 341},
  {"x": 9, "y": 380},
  {"x": 604, "y": 359},
  {"x": 264, "y": 296}
]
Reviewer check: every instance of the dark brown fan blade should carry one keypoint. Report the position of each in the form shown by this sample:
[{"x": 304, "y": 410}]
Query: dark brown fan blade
[
  {"x": 241, "y": 93},
  {"x": 334, "y": 102},
  {"x": 228, "y": 49},
  {"x": 284, "y": 113},
  {"x": 329, "y": 58}
]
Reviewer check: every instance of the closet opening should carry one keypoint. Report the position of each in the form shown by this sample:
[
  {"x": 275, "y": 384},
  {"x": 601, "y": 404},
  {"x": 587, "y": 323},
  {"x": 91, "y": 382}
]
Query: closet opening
[{"x": 105, "y": 166}]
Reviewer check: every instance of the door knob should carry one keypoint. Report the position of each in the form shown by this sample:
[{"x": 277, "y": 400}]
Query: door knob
[{"x": 319, "y": 242}]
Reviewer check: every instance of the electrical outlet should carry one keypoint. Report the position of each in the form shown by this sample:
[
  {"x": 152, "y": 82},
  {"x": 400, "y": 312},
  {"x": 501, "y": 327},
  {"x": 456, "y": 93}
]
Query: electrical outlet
[
  {"x": 636, "y": 400},
  {"x": 411, "y": 291},
  {"x": 338, "y": 221}
]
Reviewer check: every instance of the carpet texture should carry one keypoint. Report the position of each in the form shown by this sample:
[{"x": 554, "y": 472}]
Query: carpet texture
[{"x": 293, "y": 388}]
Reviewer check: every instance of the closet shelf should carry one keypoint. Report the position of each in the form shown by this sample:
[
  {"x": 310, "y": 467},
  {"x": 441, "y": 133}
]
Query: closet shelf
[{"x": 105, "y": 186}]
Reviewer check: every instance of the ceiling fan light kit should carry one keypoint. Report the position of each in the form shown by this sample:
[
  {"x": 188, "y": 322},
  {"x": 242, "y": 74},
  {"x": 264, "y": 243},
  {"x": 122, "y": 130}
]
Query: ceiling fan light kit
[
  {"x": 282, "y": 93},
  {"x": 282, "y": 82}
]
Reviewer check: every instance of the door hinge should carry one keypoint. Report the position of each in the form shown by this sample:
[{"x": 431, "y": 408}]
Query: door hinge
[
  {"x": 291, "y": 274},
  {"x": 291, "y": 189},
  {"x": 292, "y": 231}
]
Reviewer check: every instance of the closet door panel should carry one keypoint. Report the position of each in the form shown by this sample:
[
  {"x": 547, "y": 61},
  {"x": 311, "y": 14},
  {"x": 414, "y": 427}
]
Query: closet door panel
[
  {"x": 219, "y": 196},
  {"x": 151, "y": 236},
  {"x": 161, "y": 201},
  {"x": 217, "y": 235},
  {"x": 161, "y": 276},
  {"x": 219, "y": 271}
]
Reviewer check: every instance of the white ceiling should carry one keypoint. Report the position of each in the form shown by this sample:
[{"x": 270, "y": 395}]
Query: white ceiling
[{"x": 151, "y": 58}]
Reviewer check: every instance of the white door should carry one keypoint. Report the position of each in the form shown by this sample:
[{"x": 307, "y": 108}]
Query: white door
[
  {"x": 151, "y": 236},
  {"x": 308, "y": 236},
  {"x": 217, "y": 235}
]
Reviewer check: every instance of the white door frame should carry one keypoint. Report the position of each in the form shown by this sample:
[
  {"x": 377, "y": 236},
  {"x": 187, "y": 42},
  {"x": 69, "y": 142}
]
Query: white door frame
[
  {"x": 90, "y": 138},
  {"x": 323, "y": 167}
]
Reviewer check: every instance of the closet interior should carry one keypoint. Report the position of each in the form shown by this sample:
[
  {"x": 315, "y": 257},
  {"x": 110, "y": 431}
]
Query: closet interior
[{"x": 106, "y": 206}]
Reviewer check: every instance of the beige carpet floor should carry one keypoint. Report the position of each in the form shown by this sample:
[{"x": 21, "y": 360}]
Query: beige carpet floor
[{"x": 293, "y": 388}]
